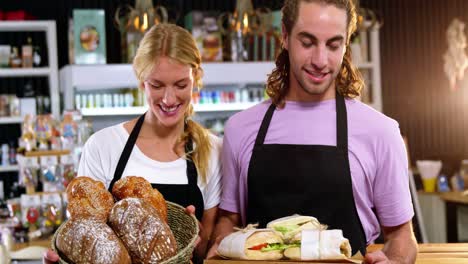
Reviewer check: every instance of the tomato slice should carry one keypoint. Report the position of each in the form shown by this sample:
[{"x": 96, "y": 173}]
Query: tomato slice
[{"x": 259, "y": 247}]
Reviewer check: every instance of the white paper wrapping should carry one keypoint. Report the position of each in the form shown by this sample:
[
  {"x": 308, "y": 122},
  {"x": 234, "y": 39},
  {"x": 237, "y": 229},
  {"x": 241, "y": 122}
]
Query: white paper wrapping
[
  {"x": 330, "y": 242},
  {"x": 233, "y": 245},
  {"x": 310, "y": 244}
]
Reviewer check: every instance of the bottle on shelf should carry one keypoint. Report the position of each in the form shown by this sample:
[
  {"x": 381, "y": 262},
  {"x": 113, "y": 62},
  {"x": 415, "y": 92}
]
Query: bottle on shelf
[
  {"x": 15, "y": 59},
  {"x": 37, "y": 56},
  {"x": 27, "y": 54}
]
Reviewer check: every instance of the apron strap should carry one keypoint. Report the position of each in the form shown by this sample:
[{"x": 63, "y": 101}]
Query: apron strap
[
  {"x": 341, "y": 124},
  {"x": 264, "y": 126},
  {"x": 127, "y": 151},
  {"x": 192, "y": 174}
]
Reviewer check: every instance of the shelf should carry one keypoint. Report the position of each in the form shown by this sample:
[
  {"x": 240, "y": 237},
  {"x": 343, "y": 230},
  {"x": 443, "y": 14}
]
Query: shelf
[
  {"x": 222, "y": 107},
  {"x": 121, "y": 111},
  {"x": 113, "y": 111},
  {"x": 11, "y": 120},
  {"x": 50, "y": 30},
  {"x": 25, "y": 25},
  {"x": 112, "y": 76},
  {"x": 39, "y": 153},
  {"x": 9, "y": 168},
  {"x": 22, "y": 72}
]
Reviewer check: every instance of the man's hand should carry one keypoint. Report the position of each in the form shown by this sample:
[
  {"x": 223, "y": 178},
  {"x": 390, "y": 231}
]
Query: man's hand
[
  {"x": 50, "y": 257},
  {"x": 377, "y": 257},
  {"x": 213, "y": 251},
  {"x": 226, "y": 223},
  {"x": 400, "y": 246}
]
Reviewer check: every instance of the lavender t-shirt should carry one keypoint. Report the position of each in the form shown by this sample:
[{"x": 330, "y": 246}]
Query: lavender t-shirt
[{"x": 377, "y": 156}]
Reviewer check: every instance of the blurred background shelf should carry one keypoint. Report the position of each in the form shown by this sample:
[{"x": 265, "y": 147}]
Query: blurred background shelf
[
  {"x": 11, "y": 120},
  {"x": 138, "y": 110},
  {"x": 8, "y": 168},
  {"x": 24, "y": 72}
]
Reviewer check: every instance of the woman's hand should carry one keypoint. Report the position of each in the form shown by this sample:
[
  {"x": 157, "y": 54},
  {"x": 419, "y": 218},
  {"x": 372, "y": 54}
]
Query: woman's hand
[
  {"x": 191, "y": 211},
  {"x": 50, "y": 257}
]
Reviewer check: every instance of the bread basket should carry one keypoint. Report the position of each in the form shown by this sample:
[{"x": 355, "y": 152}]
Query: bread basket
[{"x": 183, "y": 226}]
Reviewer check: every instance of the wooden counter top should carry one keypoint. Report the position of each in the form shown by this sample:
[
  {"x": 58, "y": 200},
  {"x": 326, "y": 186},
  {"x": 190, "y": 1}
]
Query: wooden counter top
[
  {"x": 450, "y": 253},
  {"x": 454, "y": 197}
]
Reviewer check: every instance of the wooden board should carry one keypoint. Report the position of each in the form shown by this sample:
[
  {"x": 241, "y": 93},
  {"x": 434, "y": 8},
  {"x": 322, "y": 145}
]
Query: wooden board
[
  {"x": 232, "y": 261},
  {"x": 47, "y": 153},
  {"x": 453, "y": 253}
]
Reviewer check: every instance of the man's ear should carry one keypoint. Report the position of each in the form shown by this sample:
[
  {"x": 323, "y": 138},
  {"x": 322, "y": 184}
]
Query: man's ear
[{"x": 284, "y": 37}]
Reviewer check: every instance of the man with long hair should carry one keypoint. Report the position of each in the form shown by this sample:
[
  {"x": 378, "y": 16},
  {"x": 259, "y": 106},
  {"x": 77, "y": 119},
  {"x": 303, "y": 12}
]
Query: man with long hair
[{"x": 315, "y": 150}]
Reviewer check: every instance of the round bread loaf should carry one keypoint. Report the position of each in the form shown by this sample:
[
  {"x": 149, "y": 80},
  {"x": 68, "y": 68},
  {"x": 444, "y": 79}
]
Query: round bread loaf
[
  {"x": 146, "y": 236},
  {"x": 139, "y": 187},
  {"x": 90, "y": 241},
  {"x": 88, "y": 198}
]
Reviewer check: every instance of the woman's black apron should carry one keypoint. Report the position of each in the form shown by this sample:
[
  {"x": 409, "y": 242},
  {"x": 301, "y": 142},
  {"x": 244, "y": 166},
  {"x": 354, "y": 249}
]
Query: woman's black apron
[{"x": 182, "y": 194}]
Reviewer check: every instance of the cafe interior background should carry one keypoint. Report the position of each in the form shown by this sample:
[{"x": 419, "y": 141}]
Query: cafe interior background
[{"x": 411, "y": 52}]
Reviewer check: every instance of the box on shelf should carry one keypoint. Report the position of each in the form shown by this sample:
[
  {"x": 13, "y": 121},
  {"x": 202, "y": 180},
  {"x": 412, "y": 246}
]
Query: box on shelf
[{"x": 89, "y": 36}]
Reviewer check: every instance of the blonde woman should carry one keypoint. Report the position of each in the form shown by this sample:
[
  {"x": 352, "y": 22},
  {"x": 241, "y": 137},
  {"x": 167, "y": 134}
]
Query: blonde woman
[{"x": 175, "y": 154}]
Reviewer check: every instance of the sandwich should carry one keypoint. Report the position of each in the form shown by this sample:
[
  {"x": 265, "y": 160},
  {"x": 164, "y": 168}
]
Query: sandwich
[
  {"x": 290, "y": 226},
  {"x": 319, "y": 244},
  {"x": 253, "y": 244}
]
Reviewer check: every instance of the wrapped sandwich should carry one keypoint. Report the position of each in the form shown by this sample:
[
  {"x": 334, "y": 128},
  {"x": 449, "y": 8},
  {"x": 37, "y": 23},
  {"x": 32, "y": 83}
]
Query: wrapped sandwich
[
  {"x": 319, "y": 244},
  {"x": 290, "y": 226},
  {"x": 252, "y": 244}
]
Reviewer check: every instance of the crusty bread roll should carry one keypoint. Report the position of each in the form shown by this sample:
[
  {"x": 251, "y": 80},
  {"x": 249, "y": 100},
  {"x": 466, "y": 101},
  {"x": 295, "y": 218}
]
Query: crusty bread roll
[
  {"x": 146, "y": 236},
  {"x": 88, "y": 198},
  {"x": 139, "y": 187},
  {"x": 90, "y": 241}
]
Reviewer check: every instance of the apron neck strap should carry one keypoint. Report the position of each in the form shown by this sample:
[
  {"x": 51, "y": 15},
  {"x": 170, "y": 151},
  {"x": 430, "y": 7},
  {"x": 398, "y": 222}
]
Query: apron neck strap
[
  {"x": 264, "y": 126},
  {"x": 127, "y": 151},
  {"x": 341, "y": 124}
]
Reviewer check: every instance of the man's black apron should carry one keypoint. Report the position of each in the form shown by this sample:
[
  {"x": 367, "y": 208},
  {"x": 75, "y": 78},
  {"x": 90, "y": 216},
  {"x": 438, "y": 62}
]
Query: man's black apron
[
  {"x": 313, "y": 180},
  {"x": 183, "y": 194}
]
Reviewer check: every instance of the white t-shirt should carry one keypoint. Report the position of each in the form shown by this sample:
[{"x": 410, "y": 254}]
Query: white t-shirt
[{"x": 102, "y": 151}]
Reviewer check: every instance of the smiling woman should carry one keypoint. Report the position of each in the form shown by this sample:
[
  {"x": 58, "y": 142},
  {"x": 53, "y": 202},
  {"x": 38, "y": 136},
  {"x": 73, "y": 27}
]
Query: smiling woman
[{"x": 165, "y": 146}]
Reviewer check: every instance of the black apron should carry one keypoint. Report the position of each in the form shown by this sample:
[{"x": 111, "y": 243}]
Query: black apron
[
  {"x": 183, "y": 194},
  {"x": 315, "y": 180}
]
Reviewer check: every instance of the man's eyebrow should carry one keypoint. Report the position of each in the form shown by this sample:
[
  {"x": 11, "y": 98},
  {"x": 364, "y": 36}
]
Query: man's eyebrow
[{"x": 304, "y": 34}]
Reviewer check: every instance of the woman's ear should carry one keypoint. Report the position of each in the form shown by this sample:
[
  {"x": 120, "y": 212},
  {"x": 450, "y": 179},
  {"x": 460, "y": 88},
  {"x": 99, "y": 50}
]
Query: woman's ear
[{"x": 141, "y": 85}]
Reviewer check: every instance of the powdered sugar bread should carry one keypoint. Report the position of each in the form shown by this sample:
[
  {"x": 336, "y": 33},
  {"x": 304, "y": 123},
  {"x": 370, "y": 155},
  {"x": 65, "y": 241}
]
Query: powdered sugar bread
[
  {"x": 90, "y": 241},
  {"x": 139, "y": 187},
  {"x": 146, "y": 236},
  {"x": 88, "y": 198}
]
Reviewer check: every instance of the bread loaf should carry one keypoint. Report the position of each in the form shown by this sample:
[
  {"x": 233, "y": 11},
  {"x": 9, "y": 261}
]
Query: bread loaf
[
  {"x": 90, "y": 241},
  {"x": 139, "y": 187},
  {"x": 146, "y": 236},
  {"x": 88, "y": 198}
]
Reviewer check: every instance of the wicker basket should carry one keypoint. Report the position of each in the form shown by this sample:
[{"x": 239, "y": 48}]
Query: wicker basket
[{"x": 183, "y": 226}]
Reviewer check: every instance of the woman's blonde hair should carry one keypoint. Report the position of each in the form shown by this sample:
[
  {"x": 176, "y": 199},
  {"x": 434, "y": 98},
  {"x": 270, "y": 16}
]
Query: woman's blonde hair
[
  {"x": 174, "y": 42},
  {"x": 349, "y": 81}
]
